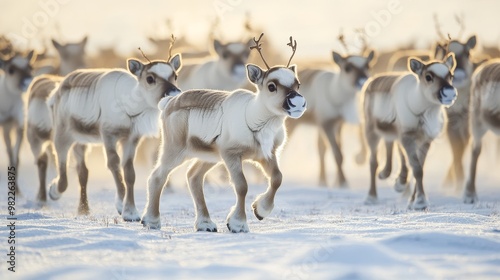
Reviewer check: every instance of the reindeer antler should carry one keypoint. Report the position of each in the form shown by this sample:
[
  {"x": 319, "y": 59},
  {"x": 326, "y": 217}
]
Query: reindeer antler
[
  {"x": 292, "y": 44},
  {"x": 172, "y": 42},
  {"x": 342, "y": 41},
  {"x": 362, "y": 35},
  {"x": 143, "y": 54},
  {"x": 438, "y": 28},
  {"x": 258, "y": 46}
]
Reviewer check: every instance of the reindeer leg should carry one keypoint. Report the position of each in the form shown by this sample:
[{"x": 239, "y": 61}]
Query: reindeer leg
[
  {"x": 129, "y": 212},
  {"x": 170, "y": 158},
  {"x": 113, "y": 162},
  {"x": 386, "y": 172},
  {"x": 401, "y": 183},
  {"x": 418, "y": 200},
  {"x": 62, "y": 143},
  {"x": 79, "y": 151},
  {"x": 361, "y": 156},
  {"x": 17, "y": 148},
  {"x": 478, "y": 131},
  {"x": 41, "y": 157},
  {"x": 264, "y": 203},
  {"x": 372, "y": 140},
  {"x": 332, "y": 132},
  {"x": 458, "y": 136},
  {"x": 321, "y": 153},
  {"x": 196, "y": 175},
  {"x": 237, "y": 219},
  {"x": 10, "y": 151}
]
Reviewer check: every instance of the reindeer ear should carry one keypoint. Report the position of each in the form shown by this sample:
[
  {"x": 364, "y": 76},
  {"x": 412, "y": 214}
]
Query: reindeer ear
[
  {"x": 31, "y": 57},
  {"x": 337, "y": 58},
  {"x": 415, "y": 65},
  {"x": 439, "y": 52},
  {"x": 135, "y": 66},
  {"x": 450, "y": 61},
  {"x": 293, "y": 67},
  {"x": 218, "y": 47},
  {"x": 176, "y": 62},
  {"x": 56, "y": 44},
  {"x": 471, "y": 43},
  {"x": 370, "y": 57},
  {"x": 250, "y": 42},
  {"x": 254, "y": 73},
  {"x": 84, "y": 41}
]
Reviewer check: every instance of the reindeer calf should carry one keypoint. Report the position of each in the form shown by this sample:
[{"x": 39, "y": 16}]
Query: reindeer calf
[
  {"x": 332, "y": 100},
  {"x": 213, "y": 126},
  {"x": 109, "y": 106},
  {"x": 14, "y": 80},
  {"x": 408, "y": 107}
]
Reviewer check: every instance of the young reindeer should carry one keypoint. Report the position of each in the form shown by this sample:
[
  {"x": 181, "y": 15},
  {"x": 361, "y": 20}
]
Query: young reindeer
[
  {"x": 484, "y": 116},
  {"x": 332, "y": 100},
  {"x": 109, "y": 106},
  {"x": 227, "y": 72},
  {"x": 214, "y": 126},
  {"x": 408, "y": 107},
  {"x": 14, "y": 80},
  {"x": 457, "y": 128}
]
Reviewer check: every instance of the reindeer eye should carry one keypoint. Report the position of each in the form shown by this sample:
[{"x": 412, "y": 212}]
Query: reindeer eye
[
  {"x": 348, "y": 68},
  {"x": 150, "y": 80},
  {"x": 271, "y": 87},
  {"x": 11, "y": 70},
  {"x": 225, "y": 55},
  {"x": 428, "y": 77}
]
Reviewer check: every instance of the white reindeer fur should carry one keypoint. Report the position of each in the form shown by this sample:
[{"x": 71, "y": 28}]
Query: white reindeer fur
[
  {"x": 110, "y": 106},
  {"x": 409, "y": 106},
  {"x": 231, "y": 127}
]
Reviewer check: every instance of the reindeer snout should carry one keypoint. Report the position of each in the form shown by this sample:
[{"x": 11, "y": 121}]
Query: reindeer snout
[
  {"x": 171, "y": 91},
  {"x": 447, "y": 95},
  {"x": 295, "y": 104}
]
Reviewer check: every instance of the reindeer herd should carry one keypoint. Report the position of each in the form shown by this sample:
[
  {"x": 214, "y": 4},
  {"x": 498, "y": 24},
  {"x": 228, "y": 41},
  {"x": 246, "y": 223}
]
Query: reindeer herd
[{"x": 228, "y": 110}]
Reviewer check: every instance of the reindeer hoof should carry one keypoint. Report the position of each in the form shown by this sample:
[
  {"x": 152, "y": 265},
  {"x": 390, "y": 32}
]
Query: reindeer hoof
[
  {"x": 83, "y": 209},
  {"x": 259, "y": 210},
  {"x": 54, "y": 194},
  {"x": 130, "y": 215},
  {"x": 382, "y": 175},
  {"x": 400, "y": 187},
  {"x": 237, "y": 228},
  {"x": 470, "y": 198},
  {"x": 206, "y": 225},
  {"x": 420, "y": 204},
  {"x": 371, "y": 200},
  {"x": 118, "y": 204},
  {"x": 151, "y": 223}
]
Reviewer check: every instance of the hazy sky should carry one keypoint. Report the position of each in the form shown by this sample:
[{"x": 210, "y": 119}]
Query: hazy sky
[{"x": 126, "y": 24}]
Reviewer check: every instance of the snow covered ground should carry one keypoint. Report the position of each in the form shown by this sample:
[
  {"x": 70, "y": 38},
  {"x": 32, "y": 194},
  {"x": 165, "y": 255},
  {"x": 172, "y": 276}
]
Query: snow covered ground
[{"x": 313, "y": 233}]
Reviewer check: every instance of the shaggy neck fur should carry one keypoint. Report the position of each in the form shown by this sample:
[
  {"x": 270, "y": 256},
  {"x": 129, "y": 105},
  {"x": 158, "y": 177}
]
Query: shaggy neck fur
[
  {"x": 257, "y": 115},
  {"x": 417, "y": 102}
]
